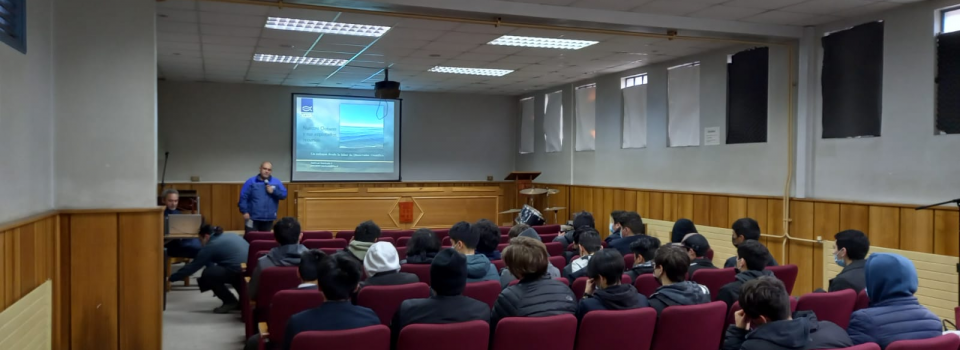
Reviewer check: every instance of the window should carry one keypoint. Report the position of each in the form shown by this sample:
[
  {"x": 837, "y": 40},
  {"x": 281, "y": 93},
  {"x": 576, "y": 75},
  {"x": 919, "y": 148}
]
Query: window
[
  {"x": 13, "y": 18},
  {"x": 747, "y": 73},
  {"x": 950, "y": 22},
  {"x": 585, "y": 99},
  {"x": 633, "y": 80},
  {"x": 948, "y": 74},
  {"x": 852, "y": 81}
]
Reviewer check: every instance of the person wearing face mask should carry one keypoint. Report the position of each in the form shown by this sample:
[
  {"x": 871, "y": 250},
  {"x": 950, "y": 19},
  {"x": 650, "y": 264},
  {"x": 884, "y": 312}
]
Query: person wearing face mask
[
  {"x": 465, "y": 239},
  {"x": 746, "y": 229},
  {"x": 670, "y": 267},
  {"x": 604, "y": 291},
  {"x": 616, "y": 224},
  {"x": 849, "y": 251},
  {"x": 751, "y": 262}
]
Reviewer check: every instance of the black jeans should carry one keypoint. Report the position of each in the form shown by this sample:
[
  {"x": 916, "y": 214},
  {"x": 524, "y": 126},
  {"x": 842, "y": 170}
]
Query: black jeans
[
  {"x": 216, "y": 278},
  {"x": 260, "y": 226}
]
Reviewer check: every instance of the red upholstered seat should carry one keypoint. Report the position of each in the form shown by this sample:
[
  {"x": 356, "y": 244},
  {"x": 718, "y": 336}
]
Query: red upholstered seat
[
  {"x": 390, "y": 240},
  {"x": 504, "y": 238},
  {"x": 366, "y": 338},
  {"x": 500, "y": 264},
  {"x": 486, "y": 291},
  {"x": 272, "y": 280},
  {"x": 446, "y": 242},
  {"x": 621, "y": 329},
  {"x": 548, "y": 237},
  {"x": 646, "y": 284},
  {"x": 255, "y": 247},
  {"x": 473, "y": 335},
  {"x": 558, "y": 279},
  {"x": 786, "y": 274},
  {"x": 714, "y": 279},
  {"x": 442, "y": 233},
  {"x": 943, "y": 342},
  {"x": 405, "y": 233},
  {"x": 866, "y": 346},
  {"x": 402, "y": 252},
  {"x": 526, "y": 333},
  {"x": 325, "y": 243},
  {"x": 547, "y": 229},
  {"x": 559, "y": 262},
  {"x": 502, "y": 246},
  {"x": 709, "y": 254},
  {"x": 258, "y": 236},
  {"x": 863, "y": 301},
  {"x": 578, "y": 287},
  {"x": 554, "y": 248},
  {"x": 675, "y": 323},
  {"x": 504, "y": 230},
  {"x": 345, "y": 235},
  {"x": 394, "y": 234},
  {"x": 628, "y": 262},
  {"x": 421, "y": 270},
  {"x": 835, "y": 307},
  {"x": 287, "y": 303},
  {"x": 402, "y": 241},
  {"x": 317, "y": 235},
  {"x": 385, "y": 300}
]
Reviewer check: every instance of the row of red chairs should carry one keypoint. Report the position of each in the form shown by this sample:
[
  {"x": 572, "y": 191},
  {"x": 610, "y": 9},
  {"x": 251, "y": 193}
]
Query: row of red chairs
[{"x": 396, "y": 235}]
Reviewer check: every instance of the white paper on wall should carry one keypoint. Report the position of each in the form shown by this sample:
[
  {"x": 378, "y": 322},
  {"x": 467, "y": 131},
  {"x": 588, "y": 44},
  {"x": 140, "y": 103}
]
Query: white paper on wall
[
  {"x": 526, "y": 126},
  {"x": 634, "y": 117},
  {"x": 586, "y": 99},
  {"x": 683, "y": 116},
  {"x": 553, "y": 121}
]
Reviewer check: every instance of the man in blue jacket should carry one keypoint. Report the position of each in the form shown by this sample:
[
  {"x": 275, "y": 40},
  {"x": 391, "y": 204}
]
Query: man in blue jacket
[{"x": 259, "y": 199}]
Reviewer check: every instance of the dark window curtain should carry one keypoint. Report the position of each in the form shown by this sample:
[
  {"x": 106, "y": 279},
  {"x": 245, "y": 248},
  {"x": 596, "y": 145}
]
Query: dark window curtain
[
  {"x": 852, "y": 80},
  {"x": 948, "y": 83},
  {"x": 747, "y": 96}
]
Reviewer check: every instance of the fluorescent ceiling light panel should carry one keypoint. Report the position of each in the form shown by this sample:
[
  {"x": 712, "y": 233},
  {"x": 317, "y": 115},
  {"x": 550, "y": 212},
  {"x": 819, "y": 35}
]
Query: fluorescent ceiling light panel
[
  {"x": 314, "y": 61},
  {"x": 471, "y": 71},
  {"x": 305, "y": 25},
  {"x": 545, "y": 43}
]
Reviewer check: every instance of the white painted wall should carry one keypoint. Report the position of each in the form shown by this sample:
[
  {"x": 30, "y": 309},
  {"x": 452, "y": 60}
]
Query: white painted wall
[
  {"x": 221, "y": 132},
  {"x": 907, "y": 163},
  {"x": 105, "y": 100},
  {"x": 26, "y": 119}
]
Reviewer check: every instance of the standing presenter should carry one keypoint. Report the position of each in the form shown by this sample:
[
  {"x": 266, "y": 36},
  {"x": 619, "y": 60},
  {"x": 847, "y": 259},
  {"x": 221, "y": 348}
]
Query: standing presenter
[{"x": 259, "y": 199}]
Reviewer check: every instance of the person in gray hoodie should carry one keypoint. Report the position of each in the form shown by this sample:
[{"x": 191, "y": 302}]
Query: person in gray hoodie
[
  {"x": 288, "y": 235},
  {"x": 465, "y": 238},
  {"x": 365, "y": 235},
  {"x": 670, "y": 267},
  {"x": 751, "y": 261},
  {"x": 506, "y": 277}
]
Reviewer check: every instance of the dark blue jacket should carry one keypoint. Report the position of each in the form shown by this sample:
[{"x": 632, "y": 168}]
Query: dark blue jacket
[
  {"x": 329, "y": 316},
  {"x": 618, "y": 297},
  {"x": 226, "y": 249},
  {"x": 255, "y": 200},
  {"x": 894, "y": 313},
  {"x": 623, "y": 244}
]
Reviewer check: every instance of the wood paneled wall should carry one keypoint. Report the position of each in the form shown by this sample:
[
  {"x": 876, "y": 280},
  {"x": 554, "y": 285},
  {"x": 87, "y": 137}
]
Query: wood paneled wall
[
  {"x": 31, "y": 320},
  {"x": 29, "y": 251}
]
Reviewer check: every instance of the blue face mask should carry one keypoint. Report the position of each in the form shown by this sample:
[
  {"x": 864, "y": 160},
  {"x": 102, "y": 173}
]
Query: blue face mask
[
  {"x": 611, "y": 228},
  {"x": 839, "y": 261}
]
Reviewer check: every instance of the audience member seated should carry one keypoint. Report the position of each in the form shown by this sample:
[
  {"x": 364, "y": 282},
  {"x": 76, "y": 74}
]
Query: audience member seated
[
  {"x": 681, "y": 229},
  {"x": 894, "y": 313},
  {"x": 604, "y": 291},
  {"x": 615, "y": 225},
  {"x": 589, "y": 243},
  {"x": 517, "y": 229},
  {"x": 849, "y": 250},
  {"x": 670, "y": 267},
  {"x": 220, "y": 257},
  {"x": 448, "y": 274},
  {"x": 536, "y": 295},
  {"x": 581, "y": 219},
  {"x": 465, "y": 238},
  {"x": 746, "y": 229},
  {"x": 489, "y": 239},
  {"x": 632, "y": 231},
  {"x": 765, "y": 322},
  {"x": 339, "y": 277},
  {"x": 506, "y": 276},
  {"x": 751, "y": 262},
  {"x": 697, "y": 247},
  {"x": 644, "y": 249},
  {"x": 288, "y": 235},
  {"x": 178, "y": 248},
  {"x": 422, "y": 247},
  {"x": 307, "y": 271},
  {"x": 382, "y": 265},
  {"x": 366, "y": 234}
]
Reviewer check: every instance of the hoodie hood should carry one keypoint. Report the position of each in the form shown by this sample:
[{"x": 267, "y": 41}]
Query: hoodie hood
[
  {"x": 889, "y": 276},
  {"x": 381, "y": 257},
  {"x": 530, "y": 233},
  {"x": 681, "y": 228},
  {"x": 477, "y": 266},
  {"x": 750, "y": 275},
  {"x": 359, "y": 249},
  {"x": 286, "y": 255},
  {"x": 494, "y": 255},
  {"x": 684, "y": 293},
  {"x": 618, "y": 297},
  {"x": 788, "y": 334}
]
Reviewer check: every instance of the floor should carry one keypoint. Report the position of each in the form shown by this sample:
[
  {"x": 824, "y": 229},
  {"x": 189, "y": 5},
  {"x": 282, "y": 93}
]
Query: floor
[{"x": 190, "y": 324}]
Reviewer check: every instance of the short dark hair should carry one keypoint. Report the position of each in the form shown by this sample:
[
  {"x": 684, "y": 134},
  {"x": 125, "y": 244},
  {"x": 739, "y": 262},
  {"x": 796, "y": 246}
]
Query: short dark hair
[
  {"x": 674, "y": 262},
  {"x": 423, "y": 241},
  {"x": 339, "y": 275},
  {"x": 856, "y": 243},
  {"x": 646, "y": 246},
  {"x": 583, "y": 218},
  {"x": 462, "y": 232},
  {"x": 607, "y": 263},
  {"x": 748, "y": 228},
  {"x": 616, "y": 216},
  {"x": 489, "y": 235},
  {"x": 207, "y": 229},
  {"x": 697, "y": 243},
  {"x": 287, "y": 231},
  {"x": 517, "y": 229},
  {"x": 590, "y": 240},
  {"x": 526, "y": 257},
  {"x": 754, "y": 254},
  {"x": 309, "y": 267},
  {"x": 367, "y": 231},
  {"x": 765, "y": 296},
  {"x": 680, "y": 229},
  {"x": 634, "y": 222}
]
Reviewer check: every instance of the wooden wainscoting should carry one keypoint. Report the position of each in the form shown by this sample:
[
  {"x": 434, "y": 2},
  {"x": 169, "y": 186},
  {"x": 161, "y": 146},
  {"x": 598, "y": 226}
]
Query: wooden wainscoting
[
  {"x": 30, "y": 320},
  {"x": 29, "y": 256}
]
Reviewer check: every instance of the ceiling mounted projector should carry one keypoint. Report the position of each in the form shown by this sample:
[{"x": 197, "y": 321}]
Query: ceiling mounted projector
[{"x": 387, "y": 89}]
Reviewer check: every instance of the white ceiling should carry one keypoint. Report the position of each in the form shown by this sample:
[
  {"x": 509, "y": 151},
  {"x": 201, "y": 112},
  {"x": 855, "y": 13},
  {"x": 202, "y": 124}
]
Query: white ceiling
[{"x": 212, "y": 41}]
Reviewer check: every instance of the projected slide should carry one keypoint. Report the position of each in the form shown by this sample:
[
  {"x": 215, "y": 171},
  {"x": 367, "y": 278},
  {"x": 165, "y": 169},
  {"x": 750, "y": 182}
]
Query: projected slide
[{"x": 345, "y": 138}]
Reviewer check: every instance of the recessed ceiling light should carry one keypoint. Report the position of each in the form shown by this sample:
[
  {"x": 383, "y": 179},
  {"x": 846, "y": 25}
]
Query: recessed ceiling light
[
  {"x": 315, "y": 61},
  {"x": 546, "y": 43},
  {"x": 305, "y": 25},
  {"x": 471, "y": 71}
]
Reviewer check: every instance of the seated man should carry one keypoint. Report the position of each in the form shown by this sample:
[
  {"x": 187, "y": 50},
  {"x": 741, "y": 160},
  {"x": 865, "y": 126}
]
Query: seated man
[
  {"x": 589, "y": 244},
  {"x": 517, "y": 229},
  {"x": 697, "y": 247},
  {"x": 178, "y": 248},
  {"x": 535, "y": 295},
  {"x": 604, "y": 291},
  {"x": 448, "y": 274},
  {"x": 746, "y": 229},
  {"x": 221, "y": 256},
  {"x": 681, "y": 229},
  {"x": 849, "y": 250},
  {"x": 506, "y": 277},
  {"x": 616, "y": 224},
  {"x": 765, "y": 322},
  {"x": 632, "y": 230},
  {"x": 894, "y": 313},
  {"x": 339, "y": 278},
  {"x": 580, "y": 219},
  {"x": 465, "y": 238},
  {"x": 307, "y": 271},
  {"x": 489, "y": 239},
  {"x": 288, "y": 235},
  {"x": 643, "y": 250},
  {"x": 364, "y": 236},
  {"x": 382, "y": 265},
  {"x": 670, "y": 267},
  {"x": 751, "y": 262}
]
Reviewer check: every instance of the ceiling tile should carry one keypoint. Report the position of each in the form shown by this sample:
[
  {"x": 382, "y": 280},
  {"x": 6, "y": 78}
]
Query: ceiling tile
[
  {"x": 411, "y": 34},
  {"x": 497, "y": 49},
  {"x": 449, "y": 47},
  {"x": 178, "y": 38},
  {"x": 480, "y": 57},
  {"x": 671, "y": 7},
  {"x": 427, "y": 24},
  {"x": 542, "y": 52},
  {"x": 464, "y": 63},
  {"x": 232, "y": 19},
  {"x": 175, "y": 28},
  {"x": 483, "y": 29},
  {"x": 523, "y": 59},
  {"x": 726, "y": 12},
  {"x": 779, "y": 17},
  {"x": 325, "y": 47},
  {"x": 346, "y": 40},
  {"x": 825, "y": 7},
  {"x": 547, "y": 2},
  {"x": 289, "y": 35},
  {"x": 247, "y": 32},
  {"x": 467, "y": 38},
  {"x": 228, "y": 40},
  {"x": 358, "y": 18},
  {"x": 612, "y": 5},
  {"x": 227, "y": 56},
  {"x": 240, "y": 9},
  {"x": 868, "y": 9},
  {"x": 228, "y": 49},
  {"x": 409, "y": 44},
  {"x": 177, "y": 4},
  {"x": 763, "y": 4},
  {"x": 177, "y": 15},
  {"x": 288, "y": 12},
  {"x": 165, "y": 46}
]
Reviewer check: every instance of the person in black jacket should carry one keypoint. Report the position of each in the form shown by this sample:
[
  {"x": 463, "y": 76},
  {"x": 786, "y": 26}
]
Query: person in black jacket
[
  {"x": 643, "y": 250},
  {"x": 745, "y": 229},
  {"x": 604, "y": 291},
  {"x": 616, "y": 224},
  {"x": 534, "y": 295},
  {"x": 448, "y": 276},
  {"x": 422, "y": 247},
  {"x": 752, "y": 261},
  {"x": 681, "y": 229},
  {"x": 849, "y": 251},
  {"x": 589, "y": 243},
  {"x": 697, "y": 247},
  {"x": 632, "y": 230},
  {"x": 765, "y": 322},
  {"x": 670, "y": 267},
  {"x": 382, "y": 265}
]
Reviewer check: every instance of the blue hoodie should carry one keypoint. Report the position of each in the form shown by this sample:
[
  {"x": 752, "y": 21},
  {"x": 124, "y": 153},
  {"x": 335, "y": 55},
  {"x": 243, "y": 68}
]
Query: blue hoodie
[
  {"x": 479, "y": 269},
  {"x": 255, "y": 200},
  {"x": 894, "y": 313}
]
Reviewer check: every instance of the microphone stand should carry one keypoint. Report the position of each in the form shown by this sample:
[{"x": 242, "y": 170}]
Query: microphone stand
[{"x": 954, "y": 201}]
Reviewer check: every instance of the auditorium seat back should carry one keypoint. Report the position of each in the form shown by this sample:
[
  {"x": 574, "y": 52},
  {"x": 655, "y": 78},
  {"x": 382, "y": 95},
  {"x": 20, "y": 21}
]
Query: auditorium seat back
[
  {"x": 547, "y": 229},
  {"x": 385, "y": 300},
  {"x": 258, "y": 236},
  {"x": 287, "y": 303},
  {"x": 442, "y": 233},
  {"x": 525, "y": 333},
  {"x": 786, "y": 274},
  {"x": 421, "y": 270},
  {"x": 390, "y": 233},
  {"x": 563, "y": 280},
  {"x": 646, "y": 284},
  {"x": 502, "y": 246},
  {"x": 402, "y": 252},
  {"x": 325, "y": 243},
  {"x": 257, "y": 246},
  {"x": 620, "y": 329},
  {"x": 345, "y": 235},
  {"x": 486, "y": 291},
  {"x": 559, "y": 262},
  {"x": 273, "y": 280},
  {"x": 366, "y": 338},
  {"x": 714, "y": 279},
  {"x": 627, "y": 262},
  {"x": 863, "y": 301},
  {"x": 504, "y": 239},
  {"x": 943, "y": 342},
  {"x": 865, "y": 346},
  {"x": 676, "y": 322},
  {"x": 554, "y": 248},
  {"x": 390, "y": 240},
  {"x": 473, "y": 335},
  {"x": 402, "y": 241},
  {"x": 446, "y": 242},
  {"x": 500, "y": 264},
  {"x": 317, "y": 235},
  {"x": 835, "y": 307},
  {"x": 504, "y": 230},
  {"x": 548, "y": 237}
]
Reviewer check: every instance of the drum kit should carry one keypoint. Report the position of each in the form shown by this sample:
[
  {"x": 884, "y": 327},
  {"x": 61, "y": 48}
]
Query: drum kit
[{"x": 530, "y": 215}]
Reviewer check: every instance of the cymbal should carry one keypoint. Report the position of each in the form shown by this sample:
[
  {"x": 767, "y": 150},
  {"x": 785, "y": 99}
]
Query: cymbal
[
  {"x": 552, "y": 191},
  {"x": 533, "y": 191},
  {"x": 555, "y": 208},
  {"x": 511, "y": 211}
]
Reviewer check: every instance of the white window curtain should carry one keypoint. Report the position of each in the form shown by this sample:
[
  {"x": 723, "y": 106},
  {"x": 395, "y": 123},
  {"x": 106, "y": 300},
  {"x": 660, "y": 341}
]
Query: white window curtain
[
  {"x": 634, "y": 117},
  {"x": 586, "y": 119},
  {"x": 526, "y": 126},
  {"x": 683, "y": 95},
  {"x": 553, "y": 121}
]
